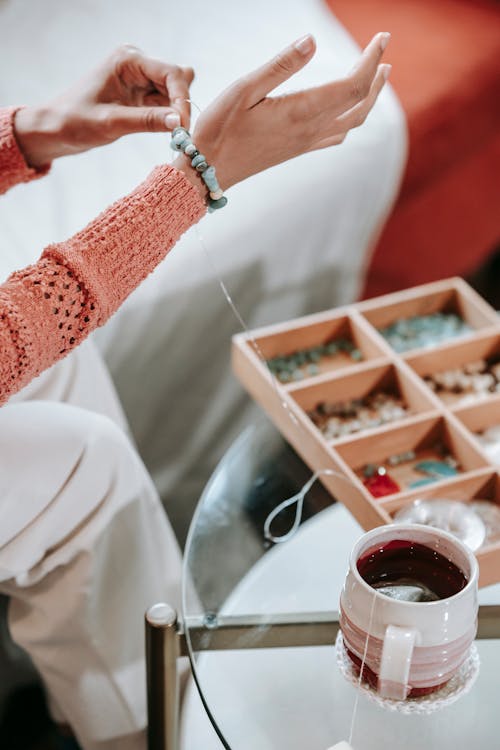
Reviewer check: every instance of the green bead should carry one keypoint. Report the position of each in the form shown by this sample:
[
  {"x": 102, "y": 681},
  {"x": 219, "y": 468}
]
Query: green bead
[
  {"x": 180, "y": 139},
  {"x": 210, "y": 180},
  {"x": 421, "y": 482},
  {"x": 356, "y": 355},
  {"x": 301, "y": 358},
  {"x": 197, "y": 160},
  {"x": 214, "y": 205}
]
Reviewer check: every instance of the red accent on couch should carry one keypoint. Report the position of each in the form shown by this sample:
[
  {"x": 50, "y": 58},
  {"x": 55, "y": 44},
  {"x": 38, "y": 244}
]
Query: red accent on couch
[{"x": 446, "y": 72}]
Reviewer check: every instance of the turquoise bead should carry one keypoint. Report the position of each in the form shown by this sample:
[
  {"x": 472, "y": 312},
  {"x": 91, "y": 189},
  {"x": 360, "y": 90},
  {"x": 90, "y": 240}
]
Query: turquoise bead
[
  {"x": 214, "y": 205},
  {"x": 178, "y": 135},
  {"x": 180, "y": 139},
  {"x": 199, "y": 159},
  {"x": 210, "y": 180}
]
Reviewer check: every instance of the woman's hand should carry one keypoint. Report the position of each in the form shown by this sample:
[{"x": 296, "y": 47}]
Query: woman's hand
[
  {"x": 128, "y": 93},
  {"x": 245, "y": 131}
]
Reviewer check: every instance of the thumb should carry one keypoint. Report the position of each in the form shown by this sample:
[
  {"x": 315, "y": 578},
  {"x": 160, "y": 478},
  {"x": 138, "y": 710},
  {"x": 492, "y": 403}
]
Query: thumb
[
  {"x": 280, "y": 68},
  {"x": 144, "y": 119}
]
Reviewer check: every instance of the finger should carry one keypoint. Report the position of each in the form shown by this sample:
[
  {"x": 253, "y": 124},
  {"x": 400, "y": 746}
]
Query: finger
[
  {"x": 278, "y": 70},
  {"x": 178, "y": 82},
  {"x": 356, "y": 116},
  {"x": 172, "y": 81},
  {"x": 341, "y": 95},
  {"x": 361, "y": 77},
  {"x": 123, "y": 120}
]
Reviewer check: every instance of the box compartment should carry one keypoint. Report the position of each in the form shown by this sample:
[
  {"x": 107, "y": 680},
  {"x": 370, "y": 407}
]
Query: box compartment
[
  {"x": 362, "y": 383},
  {"x": 421, "y": 435},
  {"x": 450, "y": 296},
  {"x": 456, "y": 355}
]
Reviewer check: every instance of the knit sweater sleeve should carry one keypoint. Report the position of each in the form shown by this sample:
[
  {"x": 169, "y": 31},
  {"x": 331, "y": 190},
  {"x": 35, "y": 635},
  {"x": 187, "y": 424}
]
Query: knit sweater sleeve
[
  {"x": 13, "y": 168},
  {"x": 48, "y": 308}
]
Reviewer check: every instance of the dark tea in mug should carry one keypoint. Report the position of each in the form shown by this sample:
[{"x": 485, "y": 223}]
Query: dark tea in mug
[{"x": 408, "y": 571}]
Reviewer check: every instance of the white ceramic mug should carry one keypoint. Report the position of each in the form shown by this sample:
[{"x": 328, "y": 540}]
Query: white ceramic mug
[{"x": 413, "y": 647}]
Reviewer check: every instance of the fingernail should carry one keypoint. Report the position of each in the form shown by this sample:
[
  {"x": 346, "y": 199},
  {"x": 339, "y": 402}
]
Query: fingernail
[
  {"x": 384, "y": 40},
  {"x": 172, "y": 120},
  {"x": 305, "y": 44},
  {"x": 386, "y": 71}
]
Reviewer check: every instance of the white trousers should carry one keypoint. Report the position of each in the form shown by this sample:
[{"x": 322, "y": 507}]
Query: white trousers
[{"x": 85, "y": 549}]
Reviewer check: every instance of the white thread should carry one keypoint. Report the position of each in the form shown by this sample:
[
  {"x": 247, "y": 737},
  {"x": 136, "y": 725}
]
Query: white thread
[
  {"x": 363, "y": 661},
  {"x": 299, "y": 499},
  {"x": 244, "y": 326}
]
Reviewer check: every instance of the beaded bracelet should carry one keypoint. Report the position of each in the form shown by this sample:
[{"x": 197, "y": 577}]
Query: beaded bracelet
[{"x": 182, "y": 141}]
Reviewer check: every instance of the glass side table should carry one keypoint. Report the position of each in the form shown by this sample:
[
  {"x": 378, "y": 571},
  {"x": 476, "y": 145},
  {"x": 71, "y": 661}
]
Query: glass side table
[{"x": 259, "y": 624}]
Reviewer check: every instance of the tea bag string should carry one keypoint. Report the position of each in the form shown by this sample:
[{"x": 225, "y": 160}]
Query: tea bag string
[
  {"x": 299, "y": 497},
  {"x": 362, "y": 667}
]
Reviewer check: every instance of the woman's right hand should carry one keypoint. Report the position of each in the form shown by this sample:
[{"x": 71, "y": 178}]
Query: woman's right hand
[{"x": 245, "y": 131}]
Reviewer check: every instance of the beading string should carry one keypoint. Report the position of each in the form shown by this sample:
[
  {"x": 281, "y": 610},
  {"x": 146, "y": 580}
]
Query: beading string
[{"x": 299, "y": 497}]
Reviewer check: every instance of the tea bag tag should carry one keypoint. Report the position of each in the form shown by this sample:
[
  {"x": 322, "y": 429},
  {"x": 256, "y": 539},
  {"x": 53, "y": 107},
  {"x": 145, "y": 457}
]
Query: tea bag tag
[{"x": 341, "y": 746}]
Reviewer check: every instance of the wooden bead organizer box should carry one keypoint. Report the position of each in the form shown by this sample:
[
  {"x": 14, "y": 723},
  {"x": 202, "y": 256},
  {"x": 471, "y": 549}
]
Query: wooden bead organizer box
[{"x": 375, "y": 407}]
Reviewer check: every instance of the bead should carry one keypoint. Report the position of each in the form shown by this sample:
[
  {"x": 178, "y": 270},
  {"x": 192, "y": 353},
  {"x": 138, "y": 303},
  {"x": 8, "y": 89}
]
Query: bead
[
  {"x": 435, "y": 468},
  {"x": 198, "y": 159},
  {"x": 214, "y": 205},
  {"x": 180, "y": 138},
  {"x": 201, "y": 166},
  {"x": 380, "y": 485},
  {"x": 179, "y": 133},
  {"x": 190, "y": 149},
  {"x": 424, "y": 330},
  {"x": 422, "y": 482},
  {"x": 215, "y": 195},
  {"x": 209, "y": 178}
]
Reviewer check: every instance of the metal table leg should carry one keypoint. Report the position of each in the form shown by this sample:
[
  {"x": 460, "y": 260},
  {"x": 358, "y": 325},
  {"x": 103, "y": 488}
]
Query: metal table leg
[{"x": 162, "y": 650}]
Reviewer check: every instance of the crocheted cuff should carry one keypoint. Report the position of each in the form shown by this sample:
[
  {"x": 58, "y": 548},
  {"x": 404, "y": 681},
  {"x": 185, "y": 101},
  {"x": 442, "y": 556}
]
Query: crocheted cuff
[
  {"x": 13, "y": 167},
  {"x": 116, "y": 251}
]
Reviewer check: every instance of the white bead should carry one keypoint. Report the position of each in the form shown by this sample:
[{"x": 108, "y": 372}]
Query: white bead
[
  {"x": 190, "y": 149},
  {"x": 217, "y": 194}
]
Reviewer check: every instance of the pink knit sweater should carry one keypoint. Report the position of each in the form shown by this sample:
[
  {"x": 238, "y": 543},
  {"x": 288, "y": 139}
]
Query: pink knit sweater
[{"x": 47, "y": 309}]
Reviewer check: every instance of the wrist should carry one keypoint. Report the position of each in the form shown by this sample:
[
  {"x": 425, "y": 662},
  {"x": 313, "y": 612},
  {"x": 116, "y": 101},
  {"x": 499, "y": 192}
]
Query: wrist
[
  {"x": 38, "y": 135},
  {"x": 183, "y": 164},
  {"x": 189, "y": 155}
]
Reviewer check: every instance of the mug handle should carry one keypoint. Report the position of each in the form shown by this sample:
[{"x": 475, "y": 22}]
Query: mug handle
[{"x": 395, "y": 662}]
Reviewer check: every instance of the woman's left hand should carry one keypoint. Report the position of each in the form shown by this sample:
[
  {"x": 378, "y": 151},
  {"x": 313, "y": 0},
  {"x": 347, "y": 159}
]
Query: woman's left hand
[{"x": 128, "y": 93}]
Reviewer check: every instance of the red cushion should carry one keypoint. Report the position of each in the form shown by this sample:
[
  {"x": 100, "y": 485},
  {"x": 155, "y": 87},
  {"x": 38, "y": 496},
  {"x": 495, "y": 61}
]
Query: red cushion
[{"x": 446, "y": 72}]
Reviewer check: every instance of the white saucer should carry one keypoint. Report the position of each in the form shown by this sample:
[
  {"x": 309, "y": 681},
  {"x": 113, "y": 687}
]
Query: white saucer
[{"x": 459, "y": 685}]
